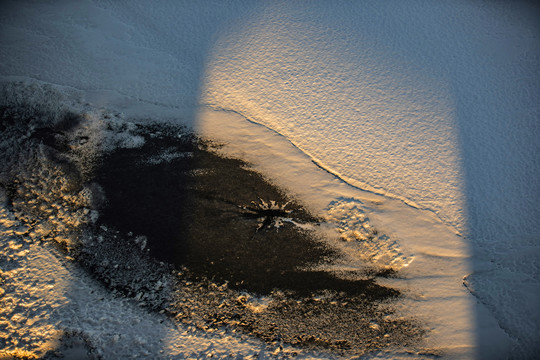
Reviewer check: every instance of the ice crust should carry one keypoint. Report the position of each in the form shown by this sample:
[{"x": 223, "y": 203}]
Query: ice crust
[{"x": 434, "y": 104}]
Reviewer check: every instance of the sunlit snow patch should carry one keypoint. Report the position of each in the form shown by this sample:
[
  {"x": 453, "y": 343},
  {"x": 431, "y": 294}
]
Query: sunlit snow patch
[{"x": 364, "y": 240}]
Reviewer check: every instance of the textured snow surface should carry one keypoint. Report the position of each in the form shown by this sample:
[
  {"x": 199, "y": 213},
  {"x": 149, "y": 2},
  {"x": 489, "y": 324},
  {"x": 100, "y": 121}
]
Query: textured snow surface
[
  {"x": 433, "y": 103},
  {"x": 45, "y": 296}
]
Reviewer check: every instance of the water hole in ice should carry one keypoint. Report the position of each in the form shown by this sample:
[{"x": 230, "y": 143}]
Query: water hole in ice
[{"x": 156, "y": 215}]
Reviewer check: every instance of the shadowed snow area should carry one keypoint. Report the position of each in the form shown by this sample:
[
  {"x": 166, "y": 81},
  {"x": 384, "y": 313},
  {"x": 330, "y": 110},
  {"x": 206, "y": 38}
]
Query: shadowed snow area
[{"x": 400, "y": 123}]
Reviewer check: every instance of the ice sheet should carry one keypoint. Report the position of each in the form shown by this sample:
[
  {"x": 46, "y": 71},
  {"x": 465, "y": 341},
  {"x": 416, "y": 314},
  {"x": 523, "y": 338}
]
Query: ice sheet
[{"x": 434, "y": 104}]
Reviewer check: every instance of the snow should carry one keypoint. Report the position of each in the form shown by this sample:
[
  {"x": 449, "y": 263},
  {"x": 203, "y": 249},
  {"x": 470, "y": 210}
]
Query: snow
[
  {"x": 44, "y": 294},
  {"x": 433, "y": 105}
]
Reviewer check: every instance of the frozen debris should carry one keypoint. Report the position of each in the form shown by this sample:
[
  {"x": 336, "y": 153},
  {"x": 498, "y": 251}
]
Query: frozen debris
[
  {"x": 94, "y": 216},
  {"x": 252, "y": 303},
  {"x": 129, "y": 141},
  {"x": 270, "y": 214}
]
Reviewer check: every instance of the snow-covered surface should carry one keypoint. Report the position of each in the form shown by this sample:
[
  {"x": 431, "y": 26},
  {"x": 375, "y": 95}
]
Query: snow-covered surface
[
  {"x": 432, "y": 103},
  {"x": 45, "y": 295}
]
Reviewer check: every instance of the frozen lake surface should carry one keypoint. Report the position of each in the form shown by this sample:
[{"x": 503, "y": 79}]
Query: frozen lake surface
[{"x": 418, "y": 120}]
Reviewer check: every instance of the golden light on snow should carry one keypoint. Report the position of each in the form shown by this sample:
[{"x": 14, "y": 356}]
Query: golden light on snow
[
  {"x": 355, "y": 107},
  {"x": 48, "y": 205},
  {"x": 32, "y": 289}
]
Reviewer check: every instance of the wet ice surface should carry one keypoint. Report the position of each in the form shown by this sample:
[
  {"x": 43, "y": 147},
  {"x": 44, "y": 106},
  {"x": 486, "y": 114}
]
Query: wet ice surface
[{"x": 193, "y": 253}]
